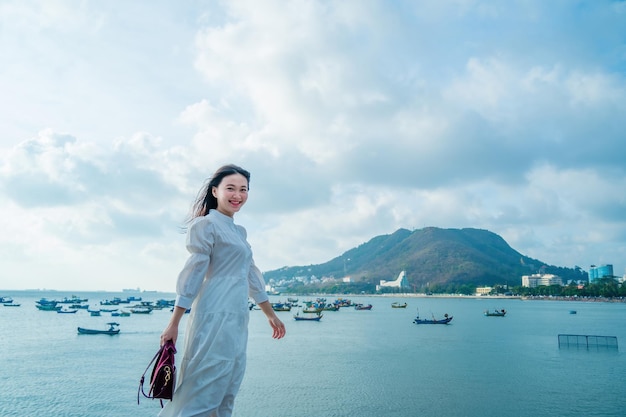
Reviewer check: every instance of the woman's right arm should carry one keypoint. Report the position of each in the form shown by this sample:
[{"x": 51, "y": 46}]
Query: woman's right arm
[
  {"x": 171, "y": 331},
  {"x": 200, "y": 246}
]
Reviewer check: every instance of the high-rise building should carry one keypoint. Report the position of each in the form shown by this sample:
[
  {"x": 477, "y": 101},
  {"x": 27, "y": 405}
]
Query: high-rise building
[{"x": 597, "y": 272}]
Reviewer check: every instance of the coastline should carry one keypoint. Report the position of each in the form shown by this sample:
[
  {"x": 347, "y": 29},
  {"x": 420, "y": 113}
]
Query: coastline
[
  {"x": 15, "y": 292},
  {"x": 462, "y": 296}
]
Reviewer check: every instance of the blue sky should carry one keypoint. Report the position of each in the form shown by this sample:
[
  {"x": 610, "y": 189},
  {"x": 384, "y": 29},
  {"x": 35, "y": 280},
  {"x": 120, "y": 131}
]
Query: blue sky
[{"x": 355, "y": 118}]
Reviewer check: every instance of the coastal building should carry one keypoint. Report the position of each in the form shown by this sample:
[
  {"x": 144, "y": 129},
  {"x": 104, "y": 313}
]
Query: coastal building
[
  {"x": 602, "y": 271},
  {"x": 536, "y": 280},
  {"x": 483, "y": 290},
  {"x": 400, "y": 282}
]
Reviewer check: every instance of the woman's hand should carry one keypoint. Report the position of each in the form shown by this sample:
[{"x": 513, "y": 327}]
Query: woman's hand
[
  {"x": 171, "y": 331},
  {"x": 278, "y": 327}
]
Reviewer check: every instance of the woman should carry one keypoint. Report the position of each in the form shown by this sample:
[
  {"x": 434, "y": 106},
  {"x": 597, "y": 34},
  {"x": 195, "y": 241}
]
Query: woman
[{"x": 215, "y": 283}]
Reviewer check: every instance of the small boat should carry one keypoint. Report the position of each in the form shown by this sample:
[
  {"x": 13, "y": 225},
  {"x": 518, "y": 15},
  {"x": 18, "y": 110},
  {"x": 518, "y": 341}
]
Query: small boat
[
  {"x": 342, "y": 302},
  {"x": 45, "y": 301},
  {"x": 120, "y": 313},
  {"x": 141, "y": 310},
  {"x": 444, "y": 320},
  {"x": 362, "y": 307},
  {"x": 112, "y": 330},
  {"x": 11, "y": 304},
  {"x": 495, "y": 313},
  {"x": 316, "y": 317},
  {"x": 48, "y": 307},
  {"x": 73, "y": 300},
  {"x": 571, "y": 311},
  {"x": 281, "y": 307},
  {"x": 398, "y": 305},
  {"x": 67, "y": 311}
]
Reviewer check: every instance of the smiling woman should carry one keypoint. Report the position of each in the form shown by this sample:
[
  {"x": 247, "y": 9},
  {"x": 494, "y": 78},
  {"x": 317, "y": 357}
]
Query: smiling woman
[{"x": 215, "y": 283}]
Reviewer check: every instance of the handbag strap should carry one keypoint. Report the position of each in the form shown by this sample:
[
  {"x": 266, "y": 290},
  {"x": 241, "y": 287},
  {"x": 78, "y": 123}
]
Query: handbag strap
[{"x": 143, "y": 376}]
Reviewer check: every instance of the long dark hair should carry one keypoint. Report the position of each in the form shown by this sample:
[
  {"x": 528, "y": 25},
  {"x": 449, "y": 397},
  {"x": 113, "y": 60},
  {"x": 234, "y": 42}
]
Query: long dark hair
[{"x": 205, "y": 200}]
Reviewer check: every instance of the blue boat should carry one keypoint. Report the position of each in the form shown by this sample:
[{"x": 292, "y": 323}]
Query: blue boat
[
  {"x": 112, "y": 330},
  {"x": 317, "y": 317},
  {"x": 445, "y": 320},
  {"x": 495, "y": 313}
]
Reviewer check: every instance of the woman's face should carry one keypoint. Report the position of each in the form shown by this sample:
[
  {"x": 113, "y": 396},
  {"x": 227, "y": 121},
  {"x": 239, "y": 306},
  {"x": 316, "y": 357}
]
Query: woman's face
[{"x": 231, "y": 194}]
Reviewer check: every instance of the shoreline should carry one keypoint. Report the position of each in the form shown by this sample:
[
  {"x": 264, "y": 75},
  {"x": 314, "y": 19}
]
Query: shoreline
[
  {"x": 478, "y": 297},
  {"x": 14, "y": 292}
]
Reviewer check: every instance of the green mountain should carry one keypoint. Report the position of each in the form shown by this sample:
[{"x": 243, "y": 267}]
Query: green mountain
[{"x": 431, "y": 257}]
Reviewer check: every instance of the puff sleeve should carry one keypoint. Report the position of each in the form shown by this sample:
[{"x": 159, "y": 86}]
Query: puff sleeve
[{"x": 200, "y": 240}]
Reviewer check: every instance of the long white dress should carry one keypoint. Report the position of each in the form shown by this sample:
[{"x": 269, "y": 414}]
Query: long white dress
[{"x": 215, "y": 282}]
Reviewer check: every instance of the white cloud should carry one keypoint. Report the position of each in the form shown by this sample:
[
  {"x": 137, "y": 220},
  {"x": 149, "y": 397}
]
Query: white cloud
[{"x": 355, "y": 119}]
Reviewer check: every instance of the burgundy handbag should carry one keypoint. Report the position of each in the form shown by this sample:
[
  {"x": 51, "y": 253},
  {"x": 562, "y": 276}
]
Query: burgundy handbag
[{"x": 163, "y": 377}]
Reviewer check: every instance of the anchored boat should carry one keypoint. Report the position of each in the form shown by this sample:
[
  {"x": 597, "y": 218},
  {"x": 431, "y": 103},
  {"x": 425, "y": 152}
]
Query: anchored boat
[{"x": 112, "y": 330}]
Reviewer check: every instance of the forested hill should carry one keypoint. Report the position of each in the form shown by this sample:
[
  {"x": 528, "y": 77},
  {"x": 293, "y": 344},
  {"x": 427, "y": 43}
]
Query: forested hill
[{"x": 431, "y": 256}]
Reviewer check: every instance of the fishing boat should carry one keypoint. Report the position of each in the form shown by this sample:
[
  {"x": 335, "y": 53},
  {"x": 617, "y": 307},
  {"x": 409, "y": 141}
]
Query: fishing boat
[
  {"x": 495, "y": 313},
  {"x": 141, "y": 310},
  {"x": 343, "y": 302},
  {"x": 112, "y": 330},
  {"x": 316, "y": 317},
  {"x": 363, "y": 307},
  {"x": 445, "y": 320},
  {"x": 48, "y": 307},
  {"x": 73, "y": 300},
  {"x": 397, "y": 304},
  {"x": 281, "y": 307}
]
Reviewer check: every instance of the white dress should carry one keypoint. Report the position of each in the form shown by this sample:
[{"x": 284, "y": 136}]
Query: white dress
[{"x": 215, "y": 282}]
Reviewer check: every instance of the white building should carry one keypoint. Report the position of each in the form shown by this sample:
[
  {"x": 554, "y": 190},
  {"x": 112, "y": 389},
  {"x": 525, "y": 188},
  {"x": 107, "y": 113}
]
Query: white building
[
  {"x": 400, "y": 282},
  {"x": 536, "y": 280}
]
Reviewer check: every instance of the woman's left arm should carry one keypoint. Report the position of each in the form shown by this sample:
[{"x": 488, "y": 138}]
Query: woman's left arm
[{"x": 277, "y": 325}]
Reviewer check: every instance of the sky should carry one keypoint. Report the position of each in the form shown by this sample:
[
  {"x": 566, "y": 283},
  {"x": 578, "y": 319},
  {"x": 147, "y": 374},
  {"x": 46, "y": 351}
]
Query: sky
[{"x": 355, "y": 118}]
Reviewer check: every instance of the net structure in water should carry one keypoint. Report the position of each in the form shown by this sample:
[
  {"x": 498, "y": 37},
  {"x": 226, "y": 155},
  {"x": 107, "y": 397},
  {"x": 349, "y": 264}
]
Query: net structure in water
[{"x": 584, "y": 340}]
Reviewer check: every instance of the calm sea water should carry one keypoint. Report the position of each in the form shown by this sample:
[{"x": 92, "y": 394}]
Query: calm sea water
[{"x": 353, "y": 363}]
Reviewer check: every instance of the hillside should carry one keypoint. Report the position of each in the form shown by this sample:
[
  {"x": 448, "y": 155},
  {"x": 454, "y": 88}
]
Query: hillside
[{"x": 431, "y": 256}]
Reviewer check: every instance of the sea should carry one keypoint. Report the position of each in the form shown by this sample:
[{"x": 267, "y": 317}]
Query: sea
[{"x": 366, "y": 363}]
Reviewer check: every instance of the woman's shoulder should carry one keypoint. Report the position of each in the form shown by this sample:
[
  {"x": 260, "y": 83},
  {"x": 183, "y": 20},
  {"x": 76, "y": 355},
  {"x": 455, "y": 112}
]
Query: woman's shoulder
[
  {"x": 199, "y": 221},
  {"x": 211, "y": 221},
  {"x": 201, "y": 225}
]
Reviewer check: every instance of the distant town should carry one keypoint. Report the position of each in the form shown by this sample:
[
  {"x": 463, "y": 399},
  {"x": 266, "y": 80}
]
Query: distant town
[{"x": 601, "y": 283}]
